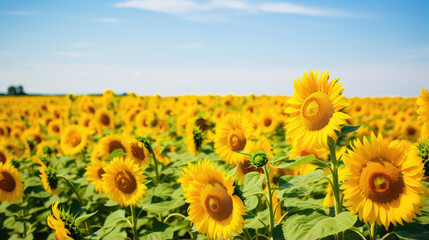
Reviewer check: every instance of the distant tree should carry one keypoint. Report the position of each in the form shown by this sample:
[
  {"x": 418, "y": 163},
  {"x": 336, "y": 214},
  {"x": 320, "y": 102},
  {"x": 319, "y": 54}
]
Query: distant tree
[
  {"x": 20, "y": 90},
  {"x": 11, "y": 90}
]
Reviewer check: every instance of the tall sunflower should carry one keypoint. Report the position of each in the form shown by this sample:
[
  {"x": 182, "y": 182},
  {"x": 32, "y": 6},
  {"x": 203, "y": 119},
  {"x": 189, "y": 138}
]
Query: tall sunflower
[
  {"x": 110, "y": 143},
  {"x": 214, "y": 209},
  {"x": 11, "y": 187},
  {"x": 123, "y": 181},
  {"x": 423, "y": 111},
  {"x": 381, "y": 181},
  {"x": 315, "y": 109},
  {"x": 74, "y": 139},
  {"x": 233, "y": 133},
  {"x": 94, "y": 174}
]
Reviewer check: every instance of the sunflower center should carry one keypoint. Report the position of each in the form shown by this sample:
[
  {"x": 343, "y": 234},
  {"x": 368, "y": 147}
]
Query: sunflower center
[
  {"x": 267, "y": 122},
  {"x": 381, "y": 181},
  {"x": 56, "y": 128},
  {"x": 7, "y": 183},
  {"x": 217, "y": 202},
  {"x": 75, "y": 139},
  {"x": 125, "y": 182},
  {"x": 316, "y": 111},
  {"x": 104, "y": 119},
  {"x": 100, "y": 172},
  {"x": 113, "y": 145},
  {"x": 236, "y": 140},
  {"x": 2, "y": 158},
  {"x": 137, "y": 151}
]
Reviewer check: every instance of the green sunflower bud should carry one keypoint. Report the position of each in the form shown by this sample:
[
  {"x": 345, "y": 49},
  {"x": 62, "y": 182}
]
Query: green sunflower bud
[
  {"x": 259, "y": 159},
  {"x": 424, "y": 154}
]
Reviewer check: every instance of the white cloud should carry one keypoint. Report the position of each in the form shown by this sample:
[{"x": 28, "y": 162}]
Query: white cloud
[
  {"x": 182, "y": 7},
  {"x": 70, "y": 54},
  {"x": 20, "y": 13},
  {"x": 79, "y": 44},
  {"x": 189, "y": 45},
  {"x": 108, "y": 20}
]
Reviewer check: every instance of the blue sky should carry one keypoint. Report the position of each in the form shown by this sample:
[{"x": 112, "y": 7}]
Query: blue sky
[{"x": 175, "y": 47}]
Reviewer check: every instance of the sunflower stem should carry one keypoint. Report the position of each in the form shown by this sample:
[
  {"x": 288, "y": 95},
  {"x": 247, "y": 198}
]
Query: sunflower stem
[
  {"x": 246, "y": 233},
  {"x": 83, "y": 155},
  {"x": 373, "y": 231},
  {"x": 270, "y": 202},
  {"x": 134, "y": 223},
  {"x": 156, "y": 165},
  {"x": 335, "y": 181},
  {"x": 71, "y": 186}
]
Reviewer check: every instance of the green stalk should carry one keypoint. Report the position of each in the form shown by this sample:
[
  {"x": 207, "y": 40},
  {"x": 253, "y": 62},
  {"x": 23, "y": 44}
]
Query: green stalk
[
  {"x": 71, "y": 186},
  {"x": 335, "y": 181},
  {"x": 156, "y": 165},
  {"x": 270, "y": 200},
  {"x": 373, "y": 232},
  {"x": 134, "y": 223}
]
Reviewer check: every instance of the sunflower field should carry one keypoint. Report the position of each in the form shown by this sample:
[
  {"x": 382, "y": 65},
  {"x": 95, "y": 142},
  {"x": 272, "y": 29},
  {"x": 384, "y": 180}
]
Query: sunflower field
[{"x": 315, "y": 165}]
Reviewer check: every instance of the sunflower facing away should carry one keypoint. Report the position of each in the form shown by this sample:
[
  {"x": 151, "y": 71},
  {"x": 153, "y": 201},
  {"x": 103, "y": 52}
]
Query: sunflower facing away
[
  {"x": 213, "y": 209},
  {"x": 423, "y": 111},
  {"x": 382, "y": 181},
  {"x": 138, "y": 152},
  {"x": 123, "y": 181},
  {"x": 315, "y": 109},
  {"x": 63, "y": 224},
  {"x": 11, "y": 187},
  {"x": 94, "y": 174},
  {"x": 193, "y": 139},
  {"x": 74, "y": 139},
  {"x": 49, "y": 179},
  {"x": 233, "y": 134}
]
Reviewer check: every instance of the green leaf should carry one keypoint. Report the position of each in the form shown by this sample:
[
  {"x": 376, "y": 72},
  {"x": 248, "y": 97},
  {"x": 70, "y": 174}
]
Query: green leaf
[
  {"x": 252, "y": 184},
  {"x": 316, "y": 225},
  {"x": 251, "y": 203},
  {"x": 412, "y": 231},
  {"x": 159, "y": 231},
  {"x": 244, "y": 153},
  {"x": 278, "y": 233},
  {"x": 117, "y": 153},
  {"x": 290, "y": 182},
  {"x": 301, "y": 160},
  {"x": 349, "y": 129},
  {"x": 84, "y": 217},
  {"x": 111, "y": 223},
  {"x": 279, "y": 158}
]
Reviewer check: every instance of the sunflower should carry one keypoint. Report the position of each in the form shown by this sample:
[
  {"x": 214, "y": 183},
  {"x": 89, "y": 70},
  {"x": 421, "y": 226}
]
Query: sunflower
[
  {"x": 193, "y": 138},
  {"x": 138, "y": 152},
  {"x": 124, "y": 182},
  {"x": 54, "y": 127},
  {"x": 233, "y": 134},
  {"x": 213, "y": 209},
  {"x": 74, "y": 139},
  {"x": 110, "y": 143},
  {"x": 381, "y": 181},
  {"x": 423, "y": 111},
  {"x": 94, "y": 174},
  {"x": 104, "y": 119},
  {"x": 4, "y": 156},
  {"x": 315, "y": 109},
  {"x": 64, "y": 224},
  {"x": 49, "y": 179},
  {"x": 11, "y": 187}
]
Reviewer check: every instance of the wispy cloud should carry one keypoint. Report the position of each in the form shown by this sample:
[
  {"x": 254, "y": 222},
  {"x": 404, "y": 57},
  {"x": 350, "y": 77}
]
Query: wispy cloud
[
  {"x": 70, "y": 54},
  {"x": 182, "y": 7},
  {"x": 109, "y": 20},
  {"x": 189, "y": 45},
  {"x": 20, "y": 13}
]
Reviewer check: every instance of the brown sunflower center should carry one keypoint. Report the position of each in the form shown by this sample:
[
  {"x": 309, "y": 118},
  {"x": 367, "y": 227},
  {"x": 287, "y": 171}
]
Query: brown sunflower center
[
  {"x": 137, "y": 151},
  {"x": 125, "y": 182},
  {"x": 113, "y": 145},
  {"x": 2, "y": 158},
  {"x": 105, "y": 119},
  {"x": 316, "y": 111},
  {"x": 411, "y": 131},
  {"x": 56, "y": 128},
  {"x": 217, "y": 202},
  {"x": 100, "y": 173},
  {"x": 236, "y": 140},
  {"x": 75, "y": 139},
  {"x": 381, "y": 181},
  {"x": 7, "y": 183},
  {"x": 267, "y": 122}
]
